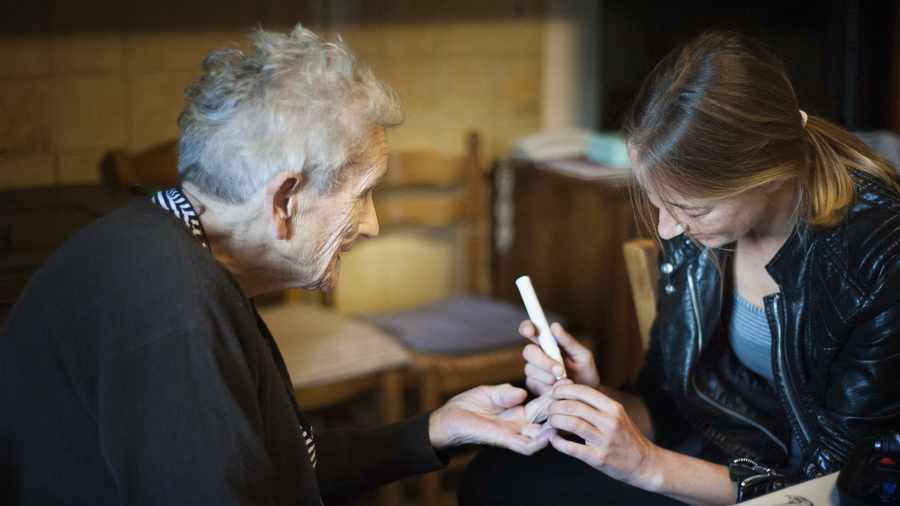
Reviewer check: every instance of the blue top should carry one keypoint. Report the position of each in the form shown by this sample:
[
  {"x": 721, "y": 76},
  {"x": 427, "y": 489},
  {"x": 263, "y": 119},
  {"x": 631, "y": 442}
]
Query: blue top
[{"x": 751, "y": 340}]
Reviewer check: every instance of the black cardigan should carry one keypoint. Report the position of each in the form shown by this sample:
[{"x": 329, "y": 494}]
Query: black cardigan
[{"x": 133, "y": 370}]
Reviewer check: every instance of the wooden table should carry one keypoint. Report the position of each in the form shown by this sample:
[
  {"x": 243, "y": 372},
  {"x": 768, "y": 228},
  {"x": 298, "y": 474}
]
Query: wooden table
[{"x": 567, "y": 236}]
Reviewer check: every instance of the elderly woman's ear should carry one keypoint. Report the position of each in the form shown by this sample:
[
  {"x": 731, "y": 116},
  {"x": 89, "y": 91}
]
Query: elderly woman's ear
[{"x": 280, "y": 196}]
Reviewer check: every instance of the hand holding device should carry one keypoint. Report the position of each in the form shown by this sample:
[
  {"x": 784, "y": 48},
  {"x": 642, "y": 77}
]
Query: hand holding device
[
  {"x": 536, "y": 411},
  {"x": 536, "y": 314}
]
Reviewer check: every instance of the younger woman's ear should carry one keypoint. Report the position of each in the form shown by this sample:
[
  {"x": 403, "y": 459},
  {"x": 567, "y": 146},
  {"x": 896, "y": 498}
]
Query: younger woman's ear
[{"x": 281, "y": 193}]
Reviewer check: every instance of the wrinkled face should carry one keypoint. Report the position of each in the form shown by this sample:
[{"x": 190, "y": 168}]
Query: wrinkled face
[
  {"x": 710, "y": 222},
  {"x": 327, "y": 225}
]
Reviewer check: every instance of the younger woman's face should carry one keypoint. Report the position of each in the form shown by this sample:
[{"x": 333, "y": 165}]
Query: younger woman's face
[{"x": 711, "y": 222}]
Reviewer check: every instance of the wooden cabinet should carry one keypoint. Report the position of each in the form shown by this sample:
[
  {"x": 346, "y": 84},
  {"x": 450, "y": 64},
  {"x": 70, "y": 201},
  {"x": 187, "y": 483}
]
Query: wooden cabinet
[{"x": 567, "y": 236}]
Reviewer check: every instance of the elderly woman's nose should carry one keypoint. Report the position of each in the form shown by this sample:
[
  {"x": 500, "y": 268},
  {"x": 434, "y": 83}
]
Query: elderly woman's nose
[{"x": 368, "y": 223}]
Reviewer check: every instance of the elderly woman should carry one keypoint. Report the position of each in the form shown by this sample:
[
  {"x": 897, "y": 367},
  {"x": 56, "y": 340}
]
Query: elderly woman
[{"x": 135, "y": 369}]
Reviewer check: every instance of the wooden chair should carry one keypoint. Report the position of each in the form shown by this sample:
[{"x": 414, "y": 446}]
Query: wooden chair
[
  {"x": 643, "y": 275},
  {"x": 143, "y": 171},
  {"x": 332, "y": 358},
  {"x": 464, "y": 340}
]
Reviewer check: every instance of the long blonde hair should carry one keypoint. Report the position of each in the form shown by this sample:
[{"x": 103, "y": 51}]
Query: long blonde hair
[{"x": 718, "y": 117}]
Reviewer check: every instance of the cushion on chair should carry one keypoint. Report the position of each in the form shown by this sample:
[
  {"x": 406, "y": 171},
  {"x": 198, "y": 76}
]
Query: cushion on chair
[
  {"x": 460, "y": 324},
  {"x": 320, "y": 345}
]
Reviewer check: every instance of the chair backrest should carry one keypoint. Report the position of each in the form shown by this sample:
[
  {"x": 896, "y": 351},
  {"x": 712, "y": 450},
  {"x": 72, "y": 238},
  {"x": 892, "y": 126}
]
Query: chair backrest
[
  {"x": 156, "y": 167},
  {"x": 643, "y": 275},
  {"x": 428, "y": 188}
]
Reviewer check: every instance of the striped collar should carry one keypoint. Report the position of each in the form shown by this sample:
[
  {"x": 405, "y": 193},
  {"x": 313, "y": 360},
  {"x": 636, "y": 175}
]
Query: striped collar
[{"x": 175, "y": 202}]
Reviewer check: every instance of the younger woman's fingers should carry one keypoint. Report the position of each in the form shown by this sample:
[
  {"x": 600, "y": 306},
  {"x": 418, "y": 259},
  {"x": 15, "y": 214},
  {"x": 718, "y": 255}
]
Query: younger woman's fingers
[
  {"x": 573, "y": 449},
  {"x": 578, "y": 417},
  {"x": 533, "y": 354},
  {"x": 568, "y": 343},
  {"x": 574, "y": 425},
  {"x": 587, "y": 395},
  {"x": 537, "y": 374},
  {"x": 528, "y": 330},
  {"x": 536, "y": 387}
]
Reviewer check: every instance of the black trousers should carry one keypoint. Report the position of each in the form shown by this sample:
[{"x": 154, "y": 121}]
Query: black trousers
[{"x": 498, "y": 477}]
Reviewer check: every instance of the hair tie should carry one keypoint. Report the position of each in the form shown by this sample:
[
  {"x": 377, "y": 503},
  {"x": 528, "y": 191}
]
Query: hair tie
[{"x": 804, "y": 117}]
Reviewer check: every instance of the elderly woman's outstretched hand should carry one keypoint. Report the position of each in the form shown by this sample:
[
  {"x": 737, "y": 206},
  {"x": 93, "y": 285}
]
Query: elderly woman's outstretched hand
[{"x": 490, "y": 415}]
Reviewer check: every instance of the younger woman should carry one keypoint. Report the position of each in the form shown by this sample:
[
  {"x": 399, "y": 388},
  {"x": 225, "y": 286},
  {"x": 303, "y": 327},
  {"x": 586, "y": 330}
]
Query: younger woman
[{"x": 776, "y": 346}]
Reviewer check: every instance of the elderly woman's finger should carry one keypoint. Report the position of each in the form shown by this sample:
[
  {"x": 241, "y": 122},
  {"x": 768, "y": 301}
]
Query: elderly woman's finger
[
  {"x": 536, "y": 410},
  {"x": 506, "y": 396},
  {"x": 535, "y": 429},
  {"x": 527, "y": 445}
]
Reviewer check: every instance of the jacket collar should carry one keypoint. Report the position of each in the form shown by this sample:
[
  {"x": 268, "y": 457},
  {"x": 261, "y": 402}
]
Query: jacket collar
[
  {"x": 678, "y": 251},
  {"x": 790, "y": 255}
]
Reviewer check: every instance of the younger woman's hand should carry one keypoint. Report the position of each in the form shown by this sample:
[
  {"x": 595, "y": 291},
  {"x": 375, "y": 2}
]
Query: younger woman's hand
[
  {"x": 612, "y": 444},
  {"x": 614, "y": 427},
  {"x": 541, "y": 371}
]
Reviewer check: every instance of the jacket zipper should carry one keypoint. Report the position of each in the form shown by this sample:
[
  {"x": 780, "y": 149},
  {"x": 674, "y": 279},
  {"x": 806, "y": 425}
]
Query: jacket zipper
[
  {"x": 703, "y": 396},
  {"x": 782, "y": 369}
]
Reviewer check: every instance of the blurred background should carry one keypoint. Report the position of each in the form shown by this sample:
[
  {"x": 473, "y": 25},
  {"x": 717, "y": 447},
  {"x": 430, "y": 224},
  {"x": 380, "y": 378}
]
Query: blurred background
[{"x": 79, "y": 78}]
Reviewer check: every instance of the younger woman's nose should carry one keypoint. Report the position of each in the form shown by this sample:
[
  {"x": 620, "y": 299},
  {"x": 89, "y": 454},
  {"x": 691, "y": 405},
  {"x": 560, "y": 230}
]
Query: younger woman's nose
[{"x": 668, "y": 226}]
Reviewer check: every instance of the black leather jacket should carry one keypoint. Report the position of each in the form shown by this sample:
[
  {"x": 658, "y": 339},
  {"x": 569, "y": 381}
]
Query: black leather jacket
[{"x": 835, "y": 350}]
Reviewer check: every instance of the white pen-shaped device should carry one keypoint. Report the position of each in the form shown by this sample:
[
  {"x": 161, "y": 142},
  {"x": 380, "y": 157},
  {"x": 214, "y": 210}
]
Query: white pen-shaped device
[{"x": 546, "y": 338}]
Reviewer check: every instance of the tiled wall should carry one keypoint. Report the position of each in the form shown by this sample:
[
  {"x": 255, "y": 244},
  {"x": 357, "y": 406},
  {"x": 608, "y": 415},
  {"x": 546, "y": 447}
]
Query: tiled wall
[{"x": 80, "y": 77}]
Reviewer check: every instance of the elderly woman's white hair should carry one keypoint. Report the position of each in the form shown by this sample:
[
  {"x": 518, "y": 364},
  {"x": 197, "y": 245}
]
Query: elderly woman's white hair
[{"x": 297, "y": 103}]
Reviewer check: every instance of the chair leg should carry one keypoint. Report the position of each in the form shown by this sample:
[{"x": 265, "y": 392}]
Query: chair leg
[
  {"x": 392, "y": 411},
  {"x": 430, "y": 398}
]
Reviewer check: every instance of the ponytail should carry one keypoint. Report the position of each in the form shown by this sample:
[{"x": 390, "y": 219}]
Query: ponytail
[{"x": 829, "y": 189}]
